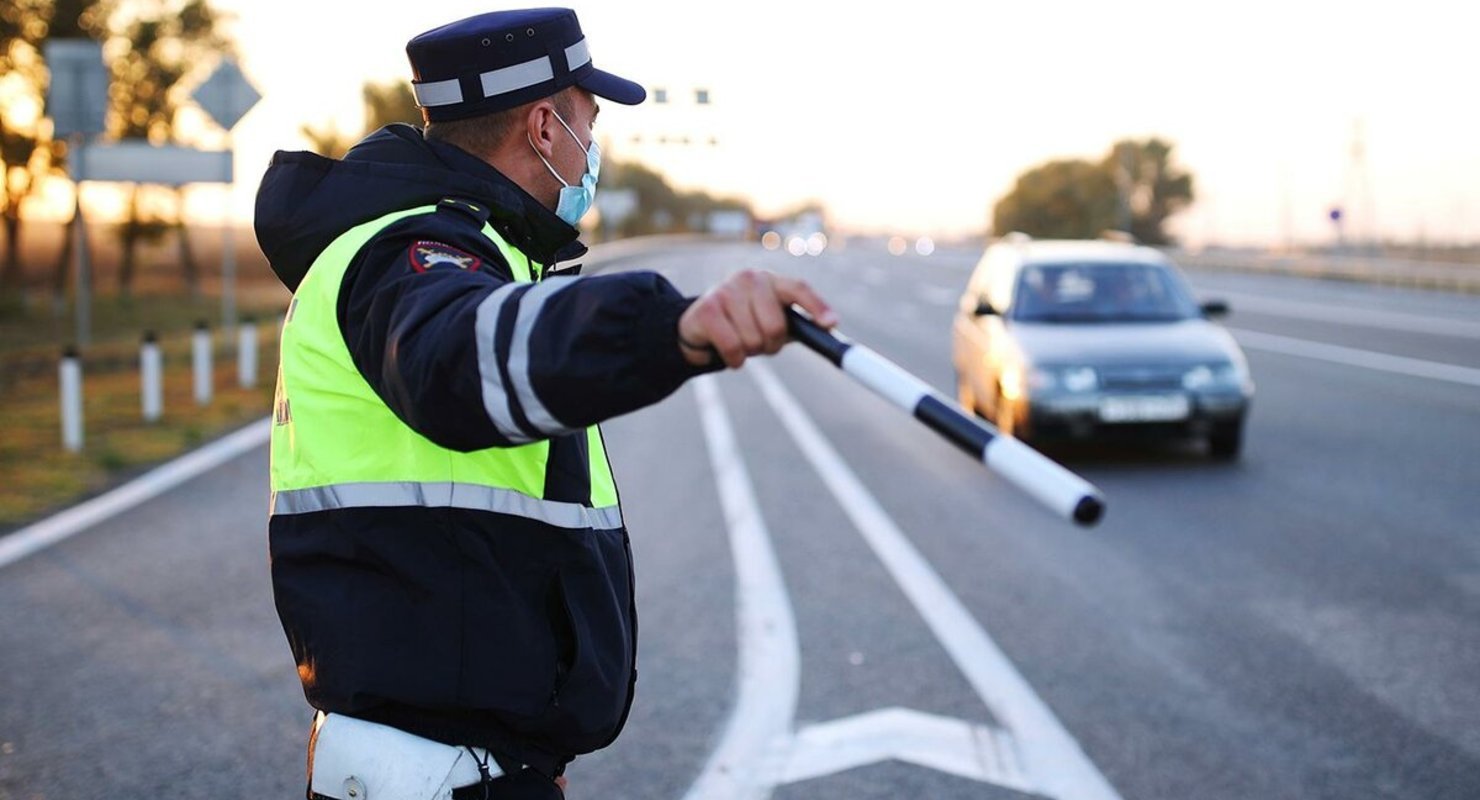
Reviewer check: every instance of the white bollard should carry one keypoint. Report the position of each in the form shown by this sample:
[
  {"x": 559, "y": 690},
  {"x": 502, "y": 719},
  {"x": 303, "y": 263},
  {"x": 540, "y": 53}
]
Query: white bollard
[
  {"x": 246, "y": 354},
  {"x": 200, "y": 350},
  {"x": 151, "y": 378},
  {"x": 70, "y": 378}
]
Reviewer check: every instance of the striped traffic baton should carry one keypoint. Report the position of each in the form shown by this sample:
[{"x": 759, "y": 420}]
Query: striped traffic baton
[{"x": 1061, "y": 490}]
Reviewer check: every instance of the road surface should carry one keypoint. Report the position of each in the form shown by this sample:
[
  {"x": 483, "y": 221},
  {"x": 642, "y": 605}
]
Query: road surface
[{"x": 1304, "y": 623}]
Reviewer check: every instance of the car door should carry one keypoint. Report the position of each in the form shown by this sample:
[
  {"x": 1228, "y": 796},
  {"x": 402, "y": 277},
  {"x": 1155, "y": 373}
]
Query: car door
[{"x": 978, "y": 338}]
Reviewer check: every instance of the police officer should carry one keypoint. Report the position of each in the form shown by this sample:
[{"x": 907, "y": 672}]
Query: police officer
[{"x": 449, "y": 560}]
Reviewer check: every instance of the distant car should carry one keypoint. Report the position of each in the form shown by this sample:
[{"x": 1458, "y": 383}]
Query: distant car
[{"x": 1083, "y": 339}]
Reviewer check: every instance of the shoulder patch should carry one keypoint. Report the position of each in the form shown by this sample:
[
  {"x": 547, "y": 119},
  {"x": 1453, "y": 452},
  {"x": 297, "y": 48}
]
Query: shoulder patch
[{"x": 425, "y": 255}]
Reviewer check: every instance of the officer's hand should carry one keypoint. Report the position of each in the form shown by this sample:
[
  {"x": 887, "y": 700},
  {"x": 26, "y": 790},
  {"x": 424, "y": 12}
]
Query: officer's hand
[{"x": 745, "y": 316}]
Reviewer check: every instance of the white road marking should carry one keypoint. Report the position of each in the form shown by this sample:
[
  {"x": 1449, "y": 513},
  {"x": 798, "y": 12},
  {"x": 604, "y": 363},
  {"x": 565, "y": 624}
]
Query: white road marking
[
  {"x": 1051, "y": 756},
  {"x": 1350, "y": 356},
  {"x": 769, "y": 665},
  {"x": 153, "y": 483},
  {"x": 976, "y": 752},
  {"x": 1346, "y": 315},
  {"x": 937, "y": 295}
]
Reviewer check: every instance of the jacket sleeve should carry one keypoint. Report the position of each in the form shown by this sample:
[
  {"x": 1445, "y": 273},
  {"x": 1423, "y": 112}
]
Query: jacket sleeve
[{"x": 470, "y": 359}]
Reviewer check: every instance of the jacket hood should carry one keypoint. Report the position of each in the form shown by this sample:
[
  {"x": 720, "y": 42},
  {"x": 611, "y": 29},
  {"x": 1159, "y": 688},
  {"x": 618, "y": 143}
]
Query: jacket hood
[{"x": 306, "y": 201}]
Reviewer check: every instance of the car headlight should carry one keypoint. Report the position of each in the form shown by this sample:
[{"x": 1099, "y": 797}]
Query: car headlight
[
  {"x": 1022, "y": 382},
  {"x": 1212, "y": 376}
]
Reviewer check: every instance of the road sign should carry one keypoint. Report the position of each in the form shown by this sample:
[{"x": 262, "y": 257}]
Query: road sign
[
  {"x": 227, "y": 95},
  {"x": 77, "y": 97},
  {"x": 134, "y": 161}
]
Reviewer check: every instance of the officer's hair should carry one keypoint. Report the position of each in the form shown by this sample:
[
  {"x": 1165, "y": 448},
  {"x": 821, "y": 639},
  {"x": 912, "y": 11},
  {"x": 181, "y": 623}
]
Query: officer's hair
[{"x": 484, "y": 134}]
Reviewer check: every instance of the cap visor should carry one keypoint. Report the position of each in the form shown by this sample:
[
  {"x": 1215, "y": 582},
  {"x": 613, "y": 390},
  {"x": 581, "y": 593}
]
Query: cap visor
[{"x": 618, "y": 90}]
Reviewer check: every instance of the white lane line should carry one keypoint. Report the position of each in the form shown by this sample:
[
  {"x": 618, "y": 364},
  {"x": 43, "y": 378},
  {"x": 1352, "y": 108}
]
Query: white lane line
[
  {"x": 1051, "y": 756},
  {"x": 937, "y": 295},
  {"x": 1350, "y": 356},
  {"x": 769, "y": 663},
  {"x": 65, "y": 524},
  {"x": 1363, "y": 317}
]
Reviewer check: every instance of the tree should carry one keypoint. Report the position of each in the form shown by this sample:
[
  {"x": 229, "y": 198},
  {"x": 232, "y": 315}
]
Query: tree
[
  {"x": 1066, "y": 199},
  {"x": 157, "y": 45},
  {"x": 26, "y": 149},
  {"x": 1150, "y": 188},
  {"x": 1133, "y": 188}
]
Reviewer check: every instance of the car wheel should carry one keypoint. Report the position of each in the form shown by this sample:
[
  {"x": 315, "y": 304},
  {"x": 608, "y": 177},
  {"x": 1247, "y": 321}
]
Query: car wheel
[
  {"x": 965, "y": 396},
  {"x": 1225, "y": 442}
]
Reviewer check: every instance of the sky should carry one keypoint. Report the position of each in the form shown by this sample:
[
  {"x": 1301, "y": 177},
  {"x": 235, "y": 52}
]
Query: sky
[{"x": 917, "y": 119}]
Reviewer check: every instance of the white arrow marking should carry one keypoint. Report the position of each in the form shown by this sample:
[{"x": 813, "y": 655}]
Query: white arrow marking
[
  {"x": 1052, "y": 757},
  {"x": 976, "y": 752}
]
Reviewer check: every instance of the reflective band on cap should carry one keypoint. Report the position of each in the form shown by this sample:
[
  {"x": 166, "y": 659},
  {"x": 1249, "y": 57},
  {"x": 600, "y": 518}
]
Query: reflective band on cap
[
  {"x": 471, "y": 497},
  {"x": 577, "y": 55},
  {"x": 503, "y": 80},
  {"x": 438, "y": 93},
  {"x": 519, "y": 76}
]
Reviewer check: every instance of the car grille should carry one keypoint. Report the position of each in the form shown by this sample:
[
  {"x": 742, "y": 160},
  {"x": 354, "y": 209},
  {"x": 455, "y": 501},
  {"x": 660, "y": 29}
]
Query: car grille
[{"x": 1140, "y": 378}]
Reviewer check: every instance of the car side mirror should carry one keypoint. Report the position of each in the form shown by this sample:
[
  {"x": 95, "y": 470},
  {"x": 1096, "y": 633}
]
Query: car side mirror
[
  {"x": 1215, "y": 308},
  {"x": 984, "y": 309}
]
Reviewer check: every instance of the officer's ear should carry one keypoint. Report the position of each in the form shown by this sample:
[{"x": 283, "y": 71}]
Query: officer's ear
[{"x": 541, "y": 126}]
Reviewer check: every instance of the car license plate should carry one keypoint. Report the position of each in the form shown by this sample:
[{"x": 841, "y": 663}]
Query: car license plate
[{"x": 1145, "y": 408}]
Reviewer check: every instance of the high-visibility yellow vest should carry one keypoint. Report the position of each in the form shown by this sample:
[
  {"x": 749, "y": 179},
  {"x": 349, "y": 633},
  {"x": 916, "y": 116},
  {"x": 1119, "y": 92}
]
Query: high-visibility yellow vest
[{"x": 335, "y": 444}]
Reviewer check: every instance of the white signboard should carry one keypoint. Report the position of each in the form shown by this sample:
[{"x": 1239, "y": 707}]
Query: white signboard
[
  {"x": 77, "y": 97},
  {"x": 141, "y": 162},
  {"x": 729, "y": 223},
  {"x": 616, "y": 205},
  {"x": 227, "y": 95}
]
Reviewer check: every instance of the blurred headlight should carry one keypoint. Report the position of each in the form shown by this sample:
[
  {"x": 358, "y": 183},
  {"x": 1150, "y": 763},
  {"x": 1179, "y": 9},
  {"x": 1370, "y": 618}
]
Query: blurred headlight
[
  {"x": 1218, "y": 376},
  {"x": 1080, "y": 379},
  {"x": 1015, "y": 383}
]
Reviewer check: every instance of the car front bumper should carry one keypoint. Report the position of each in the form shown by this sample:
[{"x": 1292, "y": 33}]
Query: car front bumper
[{"x": 1110, "y": 414}]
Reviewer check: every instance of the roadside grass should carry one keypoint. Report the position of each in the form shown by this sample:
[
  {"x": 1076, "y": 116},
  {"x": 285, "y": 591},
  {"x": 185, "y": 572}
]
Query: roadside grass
[{"x": 37, "y": 475}]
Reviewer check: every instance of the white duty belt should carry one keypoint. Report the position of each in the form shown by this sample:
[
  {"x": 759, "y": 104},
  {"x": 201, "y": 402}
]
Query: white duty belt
[{"x": 351, "y": 759}]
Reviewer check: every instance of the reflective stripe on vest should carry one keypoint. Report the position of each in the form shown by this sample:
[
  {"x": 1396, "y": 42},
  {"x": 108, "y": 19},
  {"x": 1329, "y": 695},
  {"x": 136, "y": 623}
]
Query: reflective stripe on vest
[
  {"x": 335, "y": 444},
  {"x": 446, "y": 495}
]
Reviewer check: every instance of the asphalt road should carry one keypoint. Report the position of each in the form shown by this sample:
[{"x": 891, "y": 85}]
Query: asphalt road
[{"x": 1304, "y": 623}]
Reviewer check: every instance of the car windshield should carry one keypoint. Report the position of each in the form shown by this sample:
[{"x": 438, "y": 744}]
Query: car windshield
[{"x": 1100, "y": 293}]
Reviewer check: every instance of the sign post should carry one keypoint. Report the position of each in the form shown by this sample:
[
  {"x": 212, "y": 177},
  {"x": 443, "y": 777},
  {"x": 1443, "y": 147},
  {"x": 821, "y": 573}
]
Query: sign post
[
  {"x": 76, "y": 101},
  {"x": 227, "y": 96}
]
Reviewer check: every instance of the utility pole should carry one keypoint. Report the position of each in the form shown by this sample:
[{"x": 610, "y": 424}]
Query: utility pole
[{"x": 1357, "y": 193}]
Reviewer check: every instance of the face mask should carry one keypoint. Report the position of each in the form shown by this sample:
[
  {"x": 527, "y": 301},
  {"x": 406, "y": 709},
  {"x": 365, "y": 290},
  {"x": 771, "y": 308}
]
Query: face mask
[{"x": 575, "y": 201}]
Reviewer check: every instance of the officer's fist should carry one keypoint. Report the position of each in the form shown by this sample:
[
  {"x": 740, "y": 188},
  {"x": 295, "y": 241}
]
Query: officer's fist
[{"x": 746, "y": 316}]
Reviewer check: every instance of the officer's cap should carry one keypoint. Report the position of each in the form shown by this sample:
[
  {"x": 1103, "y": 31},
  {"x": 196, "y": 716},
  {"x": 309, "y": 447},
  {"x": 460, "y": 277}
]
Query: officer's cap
[{"x": 505, "y": 59}]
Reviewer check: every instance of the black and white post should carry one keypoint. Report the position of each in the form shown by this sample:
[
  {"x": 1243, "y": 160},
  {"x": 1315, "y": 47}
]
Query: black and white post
[
  {"x": 69, "y": 378},
  {"x": 1062, "y": 491},
  {"x": 200, "y": 351},
  {"x": 151, "y": 378},
  {"x": 246, "y": 353}
]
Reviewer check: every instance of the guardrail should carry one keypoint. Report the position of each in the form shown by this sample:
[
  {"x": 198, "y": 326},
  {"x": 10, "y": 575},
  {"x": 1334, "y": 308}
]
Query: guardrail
[{"x": 1410, "y": 273}]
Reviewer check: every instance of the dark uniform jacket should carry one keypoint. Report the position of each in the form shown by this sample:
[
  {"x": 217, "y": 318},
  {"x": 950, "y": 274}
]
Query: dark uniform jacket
[{"x": 468, "y": 627}]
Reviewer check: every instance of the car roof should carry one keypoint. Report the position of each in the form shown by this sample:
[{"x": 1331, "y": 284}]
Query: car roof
[{"x": 1088, "y": 252}]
